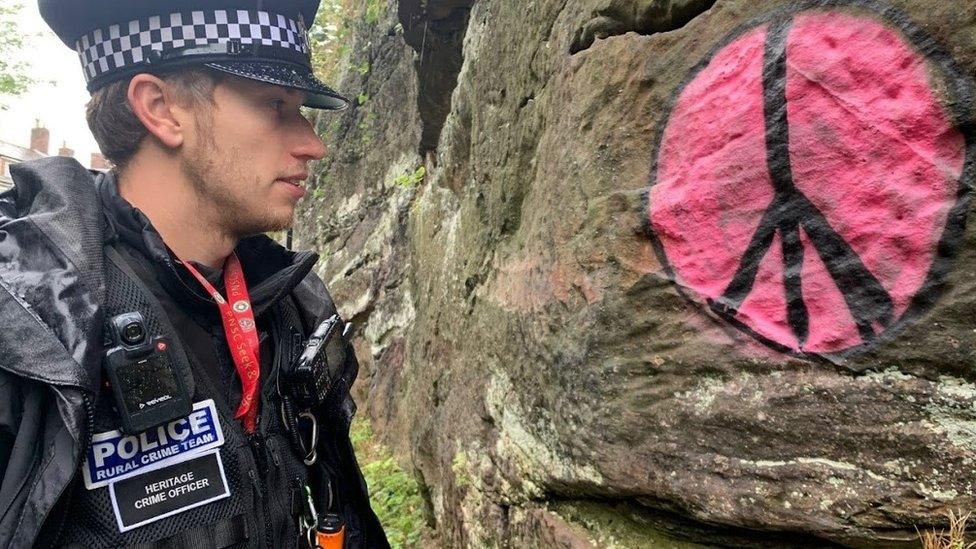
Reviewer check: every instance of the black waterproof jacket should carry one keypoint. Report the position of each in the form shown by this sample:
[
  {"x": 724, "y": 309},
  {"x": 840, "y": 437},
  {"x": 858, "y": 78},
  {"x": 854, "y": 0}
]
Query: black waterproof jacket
[{"x": 51, "y": 322}]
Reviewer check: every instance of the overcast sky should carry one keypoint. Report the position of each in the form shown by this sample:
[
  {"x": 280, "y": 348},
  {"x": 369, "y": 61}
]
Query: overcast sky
[{"x": 57, "y": 100}]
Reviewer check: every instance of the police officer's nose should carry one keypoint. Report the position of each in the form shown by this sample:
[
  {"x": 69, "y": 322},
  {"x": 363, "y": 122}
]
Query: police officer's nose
[{"x": 309, "y": 147}]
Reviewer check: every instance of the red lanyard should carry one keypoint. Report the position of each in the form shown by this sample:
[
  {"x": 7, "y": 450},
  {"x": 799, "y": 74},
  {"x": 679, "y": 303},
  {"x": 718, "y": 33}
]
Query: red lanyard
[{"x": 242, "y": 336}]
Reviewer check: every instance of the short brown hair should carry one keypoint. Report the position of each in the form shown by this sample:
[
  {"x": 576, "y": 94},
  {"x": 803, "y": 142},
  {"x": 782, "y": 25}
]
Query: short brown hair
[{"x": 116, "y": 128}]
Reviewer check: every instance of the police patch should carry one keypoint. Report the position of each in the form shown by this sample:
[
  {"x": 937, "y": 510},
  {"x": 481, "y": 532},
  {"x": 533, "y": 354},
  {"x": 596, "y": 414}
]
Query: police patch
[
  {"x": 165, "y": 490},
  {"x": 114, "y": 455}
]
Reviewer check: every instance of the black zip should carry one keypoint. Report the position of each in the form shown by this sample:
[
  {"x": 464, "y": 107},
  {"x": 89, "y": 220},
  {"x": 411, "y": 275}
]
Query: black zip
[
  {"x": 260, "y": 507},
  {"x": 259, "y": 448},
  {"x": 90, "y": 417},
  {"x": 69, "y": 490}
]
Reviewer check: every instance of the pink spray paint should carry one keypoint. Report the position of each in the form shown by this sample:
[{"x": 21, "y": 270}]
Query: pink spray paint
[{"x": 870, "y": 146}]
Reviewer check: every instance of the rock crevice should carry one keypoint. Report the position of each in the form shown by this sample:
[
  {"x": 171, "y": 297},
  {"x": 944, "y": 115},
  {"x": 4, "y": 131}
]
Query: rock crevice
[
  {"x": 643, "y": 17},
  {"x": 435, "y": 30}
]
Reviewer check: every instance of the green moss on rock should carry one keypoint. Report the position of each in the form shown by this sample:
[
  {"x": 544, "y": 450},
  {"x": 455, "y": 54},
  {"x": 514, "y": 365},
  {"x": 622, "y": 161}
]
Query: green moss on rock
[{"x": 606, "y": 526}]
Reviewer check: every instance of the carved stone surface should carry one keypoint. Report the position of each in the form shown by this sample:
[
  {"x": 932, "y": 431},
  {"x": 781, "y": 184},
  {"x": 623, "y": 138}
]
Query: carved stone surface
[{"x": 530, "y": 354}]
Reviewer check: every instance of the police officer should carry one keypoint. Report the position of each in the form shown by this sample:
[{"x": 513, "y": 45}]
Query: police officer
[{"x": 170, "y": 377}]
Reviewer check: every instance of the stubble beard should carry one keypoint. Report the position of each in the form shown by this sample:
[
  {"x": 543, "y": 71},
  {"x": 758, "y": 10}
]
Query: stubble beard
[{"x": 218, "y": 176}]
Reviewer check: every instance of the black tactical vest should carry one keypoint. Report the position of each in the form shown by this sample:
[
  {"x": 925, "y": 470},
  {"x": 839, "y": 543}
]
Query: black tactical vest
[{"x": 263, "y": 474}]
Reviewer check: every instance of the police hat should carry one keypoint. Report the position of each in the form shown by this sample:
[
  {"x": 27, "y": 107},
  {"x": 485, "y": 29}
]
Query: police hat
[{"x": 263, "y": 40}]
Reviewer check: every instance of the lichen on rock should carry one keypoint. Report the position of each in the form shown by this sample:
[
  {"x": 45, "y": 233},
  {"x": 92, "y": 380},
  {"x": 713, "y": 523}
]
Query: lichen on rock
[{"x": 558, "y": 351}]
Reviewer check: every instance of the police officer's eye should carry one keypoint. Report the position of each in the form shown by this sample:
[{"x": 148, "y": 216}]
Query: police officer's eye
[{"x": 277, "y": 104}]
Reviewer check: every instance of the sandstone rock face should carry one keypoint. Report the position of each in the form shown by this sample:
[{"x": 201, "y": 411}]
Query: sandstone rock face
[{"x": 674, "y": 271}]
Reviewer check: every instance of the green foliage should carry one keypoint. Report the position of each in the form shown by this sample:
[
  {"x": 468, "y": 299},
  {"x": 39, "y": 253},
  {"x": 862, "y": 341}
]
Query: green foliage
[
  {"x": 374, "y": 11},
  {"x": 335, "y": 126},
  {"x": 460, "y": 467},
  {"x": 328, "y": 36},
  {"x": 362, "y": 99},
  {"x": 394, "y": 495},
  {"x": 413, "y": 179},
  {"x": 325, "y": 181},
  {"x": 13, "y": 74},
  {"x": 365, "y": 128},
  {"x": 330, "y": 33}
]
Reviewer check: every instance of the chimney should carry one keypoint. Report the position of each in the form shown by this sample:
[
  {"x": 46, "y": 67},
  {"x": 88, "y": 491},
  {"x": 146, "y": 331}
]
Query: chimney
[
  {"x": 40, "y": 138},
  {"x": 65, "y": 151},
  {"x": 98, "y": 162}
]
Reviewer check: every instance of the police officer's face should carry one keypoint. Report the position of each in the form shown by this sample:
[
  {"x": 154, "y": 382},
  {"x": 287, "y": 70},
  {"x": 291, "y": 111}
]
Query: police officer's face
[{"x": 249, "y": 158}]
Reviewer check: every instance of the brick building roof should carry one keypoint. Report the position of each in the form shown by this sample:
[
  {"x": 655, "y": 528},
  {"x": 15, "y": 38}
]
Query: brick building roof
[{"x": 13, "y": 154}]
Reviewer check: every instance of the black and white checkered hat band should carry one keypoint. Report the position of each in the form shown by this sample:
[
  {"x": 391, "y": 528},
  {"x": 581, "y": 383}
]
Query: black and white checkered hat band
[{"x": 119, "y": 47}]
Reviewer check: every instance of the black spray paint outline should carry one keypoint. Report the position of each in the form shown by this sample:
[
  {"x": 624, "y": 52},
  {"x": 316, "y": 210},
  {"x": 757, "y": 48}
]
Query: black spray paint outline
[
  {"x": 959, "y": 94},
  {"x": 790, "y": 211}
]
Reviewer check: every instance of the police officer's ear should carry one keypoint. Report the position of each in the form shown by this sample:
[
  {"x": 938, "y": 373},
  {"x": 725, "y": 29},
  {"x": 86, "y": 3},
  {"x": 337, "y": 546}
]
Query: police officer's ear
[{"x": 155, "y": 105}]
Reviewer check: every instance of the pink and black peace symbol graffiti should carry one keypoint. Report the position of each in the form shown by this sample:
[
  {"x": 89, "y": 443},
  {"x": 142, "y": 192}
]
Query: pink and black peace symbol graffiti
[{"x": 812, "y": 177}]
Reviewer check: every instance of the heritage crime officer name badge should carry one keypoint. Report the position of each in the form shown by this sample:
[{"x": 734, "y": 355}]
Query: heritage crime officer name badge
[
  {"x": 114, "y": 456},
  {"x": 165, "y": 490}
]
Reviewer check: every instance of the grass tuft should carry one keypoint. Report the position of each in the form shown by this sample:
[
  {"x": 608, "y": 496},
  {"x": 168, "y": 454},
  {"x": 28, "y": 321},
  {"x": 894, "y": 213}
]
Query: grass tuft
[
  {"x": 394, "y": 494},
  {"x": 955, "y": 538}
]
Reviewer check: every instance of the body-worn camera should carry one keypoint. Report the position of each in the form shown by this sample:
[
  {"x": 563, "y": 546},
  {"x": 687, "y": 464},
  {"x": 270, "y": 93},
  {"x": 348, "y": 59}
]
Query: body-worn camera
[
  {"x": 311, "y": 377},
  {"x": 147, "y": 387}
]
